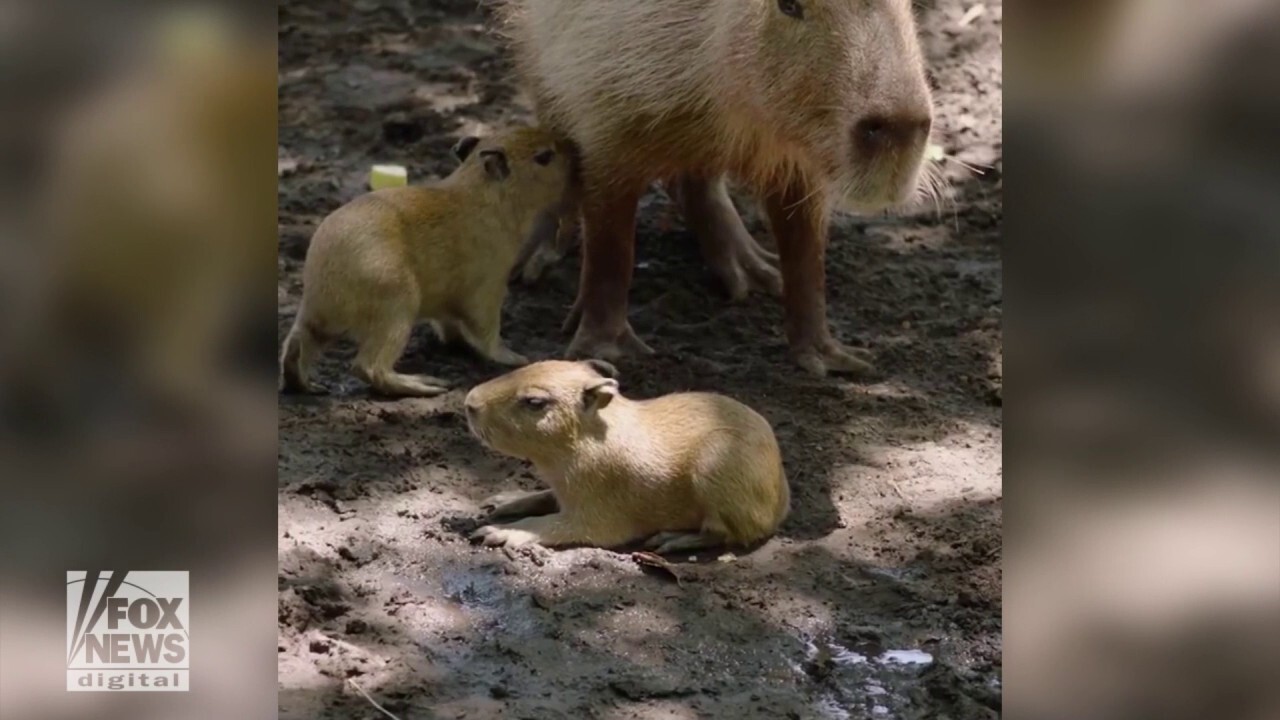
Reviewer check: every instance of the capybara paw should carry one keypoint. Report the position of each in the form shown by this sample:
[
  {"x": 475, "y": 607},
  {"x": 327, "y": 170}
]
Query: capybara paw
[
  {"x": 300, "y": 387},
  {"x": 832, "y": 357},
  {"x": 503, "y": 503},
  {"x": 536, "y": 266},
  {"x": 659, "y": 539},
  {"x": 397, "y": 385},
  {"x": 588, "y": 344},
  {"x": 666, "y": 543},
  {"x": 747, "y": 268},
  {"x": 498, "y": 536}
]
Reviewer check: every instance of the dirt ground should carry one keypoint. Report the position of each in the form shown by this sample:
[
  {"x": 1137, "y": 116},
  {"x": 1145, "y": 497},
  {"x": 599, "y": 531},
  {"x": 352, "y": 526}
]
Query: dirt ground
[{"x": 880, "y": 598}]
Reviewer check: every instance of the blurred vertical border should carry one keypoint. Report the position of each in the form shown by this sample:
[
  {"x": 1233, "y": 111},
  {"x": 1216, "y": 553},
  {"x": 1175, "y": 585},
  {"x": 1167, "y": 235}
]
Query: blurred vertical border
[
  {"x": 137, "y": 333},
  {"x": 1142, "y": 410}
]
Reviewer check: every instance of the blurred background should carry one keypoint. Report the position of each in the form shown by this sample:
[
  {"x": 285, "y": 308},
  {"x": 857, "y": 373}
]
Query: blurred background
[
  {"x": 1142, "y": 268},
  {"x": 137, "y": 405}
]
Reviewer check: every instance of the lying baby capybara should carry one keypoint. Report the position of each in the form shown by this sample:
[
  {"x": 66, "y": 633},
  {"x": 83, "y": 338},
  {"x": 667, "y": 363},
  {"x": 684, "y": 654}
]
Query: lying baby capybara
[{"x": 680, "y": 472}]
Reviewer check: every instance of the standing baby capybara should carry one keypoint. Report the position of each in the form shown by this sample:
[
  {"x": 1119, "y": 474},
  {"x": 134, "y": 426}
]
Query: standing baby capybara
[
  {"x": 813, "y": 104},
  {"x": 439, "y": 252}
]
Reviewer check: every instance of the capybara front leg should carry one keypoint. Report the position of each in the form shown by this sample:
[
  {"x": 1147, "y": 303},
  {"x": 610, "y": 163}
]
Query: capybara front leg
[
  {"x": 481, "y": 327},
  {"x": 797, "y": 216},
  {"x": 521, "y": 504},
  {"x": 733, "y": 256},
  {"x": 608, "y": 258},
  {"x": 546, "y": 530}
]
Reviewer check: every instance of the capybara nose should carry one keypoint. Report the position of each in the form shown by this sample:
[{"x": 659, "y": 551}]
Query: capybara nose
[{"x": 875, "y": 134}]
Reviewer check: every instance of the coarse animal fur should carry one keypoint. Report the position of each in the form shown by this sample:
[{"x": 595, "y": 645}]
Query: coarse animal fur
[
  {"x": 812, "y": 104},
  {"x": 440, "y": 252},
  {"x": 681, "y": 472}
]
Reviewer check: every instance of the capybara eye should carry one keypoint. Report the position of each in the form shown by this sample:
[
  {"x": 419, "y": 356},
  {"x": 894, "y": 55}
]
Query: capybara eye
[
  {"x": 544, "y": 157},
  {"x": 534, "y": 402},
  {"x": 791, "y": 8}
]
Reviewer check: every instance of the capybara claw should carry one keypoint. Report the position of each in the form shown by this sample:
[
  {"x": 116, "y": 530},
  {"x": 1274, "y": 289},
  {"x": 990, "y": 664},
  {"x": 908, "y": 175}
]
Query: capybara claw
[
  {"x": 748, "y": 268},
  {"x": 833, "y": 357},
  {"x": 592, "y": 345},
  {"x": 497, "y": 536}
]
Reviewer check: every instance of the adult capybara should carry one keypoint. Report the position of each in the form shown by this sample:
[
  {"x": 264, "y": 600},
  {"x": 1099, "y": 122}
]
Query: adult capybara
[{"x": 813, "y": 104}]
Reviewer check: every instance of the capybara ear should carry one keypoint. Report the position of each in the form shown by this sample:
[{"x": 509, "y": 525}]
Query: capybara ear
[
  {"x": 599, "y": 393},
  {"x": 601, "y": 367},
  {"x": 463, "y": 147},
  {"x": 495, "y": 164}
]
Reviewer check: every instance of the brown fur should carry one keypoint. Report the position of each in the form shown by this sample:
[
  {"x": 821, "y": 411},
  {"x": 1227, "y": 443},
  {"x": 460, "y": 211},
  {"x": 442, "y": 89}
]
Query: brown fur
[
  {"x": 681, "y": 472},
  {"x": 692, "y": 91},
  {"x": 440, "y": 252}
]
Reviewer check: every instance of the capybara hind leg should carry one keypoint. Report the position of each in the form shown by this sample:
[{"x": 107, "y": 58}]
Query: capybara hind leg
[
  {"x": 521, "y": 504},
  {"x": 608, "y": 258},
  {"x": 735, "y": 257},
  {"x": 380, "y": 348},
  {"x": 301, "y": 348},
  {"x": 797, "y": 217},
  {"x": 674, "y": 542}
]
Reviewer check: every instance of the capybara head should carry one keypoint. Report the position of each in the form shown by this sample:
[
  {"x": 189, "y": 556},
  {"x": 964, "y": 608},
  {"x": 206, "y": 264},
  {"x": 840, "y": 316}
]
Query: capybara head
[
  {"x": 541, "y": 410},
  {"x": 534, "y": 160},
  {"x": 844, "y": 82}
]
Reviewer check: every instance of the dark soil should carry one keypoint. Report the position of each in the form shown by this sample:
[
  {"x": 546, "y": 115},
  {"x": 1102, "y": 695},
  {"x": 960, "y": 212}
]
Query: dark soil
[{"x": 881, "y": 595}]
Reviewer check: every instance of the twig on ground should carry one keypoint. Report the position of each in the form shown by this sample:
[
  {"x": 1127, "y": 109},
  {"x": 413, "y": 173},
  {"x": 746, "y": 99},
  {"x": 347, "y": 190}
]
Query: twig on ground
[
  {"x": 656, "y": 564},
  {"x": 372, "y": 702},
  {"x": 897, "y": 489},
  {"x": 974, "y": 13}
]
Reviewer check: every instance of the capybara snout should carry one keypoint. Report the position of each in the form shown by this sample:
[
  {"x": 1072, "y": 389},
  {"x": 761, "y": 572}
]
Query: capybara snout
[
  {"x": 891, "y": 105},
  {"x": 877, "y": 134}
]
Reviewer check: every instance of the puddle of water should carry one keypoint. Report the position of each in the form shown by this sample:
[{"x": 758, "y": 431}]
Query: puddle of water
[
  {"x": 841, "y": 655},
  {"x": 472, "y": 589},
  {"x": 476, "y": 598},
  {"x": 829, "y": 706},
  {"x": 868, "y": 685},
  {"x": 905, "y": 657}
]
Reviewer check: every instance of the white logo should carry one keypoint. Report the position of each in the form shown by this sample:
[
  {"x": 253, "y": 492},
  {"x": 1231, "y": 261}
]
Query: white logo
[{"x": 127, "y": 631}]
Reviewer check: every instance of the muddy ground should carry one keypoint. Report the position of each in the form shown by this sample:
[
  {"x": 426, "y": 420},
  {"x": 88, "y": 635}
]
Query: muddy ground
[{"x": 881, "y": 596}]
